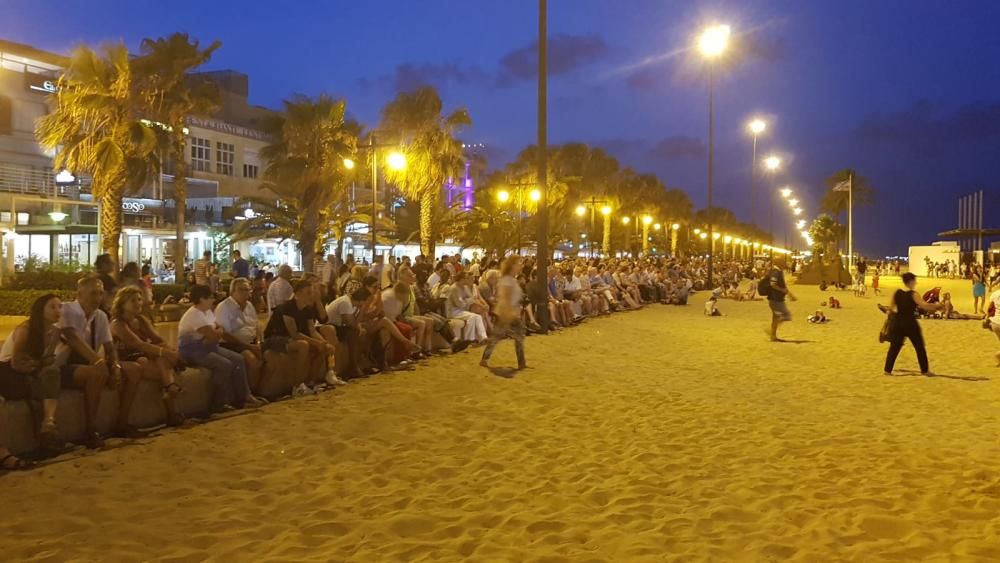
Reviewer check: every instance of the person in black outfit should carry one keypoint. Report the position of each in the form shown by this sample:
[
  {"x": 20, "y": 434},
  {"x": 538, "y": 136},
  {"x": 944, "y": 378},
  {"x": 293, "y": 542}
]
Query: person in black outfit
[{"x": 905, "y": 304}]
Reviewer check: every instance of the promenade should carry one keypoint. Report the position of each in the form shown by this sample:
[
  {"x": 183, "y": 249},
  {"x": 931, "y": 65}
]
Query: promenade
[{"x": 659, "y": 435}]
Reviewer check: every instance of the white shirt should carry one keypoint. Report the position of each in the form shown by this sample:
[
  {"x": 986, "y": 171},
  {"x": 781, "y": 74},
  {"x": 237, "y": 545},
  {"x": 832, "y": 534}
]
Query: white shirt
[
  {"x": 573, "y": 284},
  {"x": 193, "y": 319},
  {"x": 239, "y": 323},
  {"x": 94, "y": 330},
  {"x": 433, "y": 280},
  {"x": 391, "y": 306},
  {"x": 995, "y": 299},
  {"x": 339, "y": 307},
  {"x": 279, "y": 292}
]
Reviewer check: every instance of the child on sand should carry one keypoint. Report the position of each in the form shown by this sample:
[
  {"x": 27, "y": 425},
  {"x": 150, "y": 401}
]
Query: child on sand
[
  {"x": 711, "y": 308},
  {"x": 875, "y": 282},
  {"x": 818, "y": 317}
]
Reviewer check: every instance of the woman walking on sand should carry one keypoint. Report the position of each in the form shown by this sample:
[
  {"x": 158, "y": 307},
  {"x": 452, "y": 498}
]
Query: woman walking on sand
[
  {"x": 905, "y": 304},
  {"x": 978, "y": 289},
  {"x": 508, "y": 311}
]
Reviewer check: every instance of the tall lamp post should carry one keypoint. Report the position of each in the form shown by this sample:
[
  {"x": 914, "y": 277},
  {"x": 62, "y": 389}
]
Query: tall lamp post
[
  {"x": 541, "y": 290},
  {"x": 712, "y": 44},
  {"x": 771, "y": 164},
  {"x": 756, "y": 127},
  {"x": 395, "y": 160},
  {"x": 503, "y": 196}
]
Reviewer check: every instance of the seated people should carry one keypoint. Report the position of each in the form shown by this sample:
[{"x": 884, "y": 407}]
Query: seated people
[
  {"x": 198, "y": 340},
  {"x": 237, "y": 317},
  {"x": 342, "y": 313},
  {"x": 380, "y": 331},
  {"x": 138, "y": 343},
  {"x": 818, "y": 317},
  {"x": 291, "y": 329},
  {"x": 458, "y": 306},
  {"x": 948, "y": 310},
  {"x": 280, "y": 289},
  {"x": 89, "y": 348},
  {"x": 28, "y": 369}
]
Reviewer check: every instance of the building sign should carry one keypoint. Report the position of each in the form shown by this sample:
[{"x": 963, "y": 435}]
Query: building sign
[
  {"x": 229, "y": 128},
  {"x": 40, "y": 83},
  {"x": 133, "y": 205}
]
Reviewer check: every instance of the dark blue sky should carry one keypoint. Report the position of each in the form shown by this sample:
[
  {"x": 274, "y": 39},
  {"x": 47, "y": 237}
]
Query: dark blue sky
[{"x": 906, "y": 92}]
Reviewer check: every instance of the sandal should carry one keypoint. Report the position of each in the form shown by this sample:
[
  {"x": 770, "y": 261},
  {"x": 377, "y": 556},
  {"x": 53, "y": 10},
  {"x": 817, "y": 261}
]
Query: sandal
[{"x": 11, "y": 462}]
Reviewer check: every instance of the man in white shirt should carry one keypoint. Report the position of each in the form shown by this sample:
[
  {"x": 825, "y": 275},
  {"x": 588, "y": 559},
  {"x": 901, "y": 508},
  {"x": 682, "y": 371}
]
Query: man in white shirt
[
  {"x": 342, "y": 314},
  {"x": 238, "y": 320},
  {"x": 281, "y": 288},
  {"x": 87, "y": 349},
  {"x": 434, "y": 279}
]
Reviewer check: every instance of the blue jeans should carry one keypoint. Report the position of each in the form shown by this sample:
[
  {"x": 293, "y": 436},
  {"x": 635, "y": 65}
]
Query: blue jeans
[{"x": 229, "y": 374}]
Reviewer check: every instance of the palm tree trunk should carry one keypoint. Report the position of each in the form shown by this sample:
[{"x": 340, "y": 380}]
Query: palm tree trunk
[
  {"x": 180, "y": 202},
  {"x": 427, "y": 201},
  {"x": 606, "y": 246},
  {"x": 111, "y": 224},
  {"x": 307, "y": 244}
]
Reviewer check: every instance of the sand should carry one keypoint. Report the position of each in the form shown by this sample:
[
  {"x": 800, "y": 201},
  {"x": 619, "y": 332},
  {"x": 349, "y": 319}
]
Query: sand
[{"x": 659, "y": 435}]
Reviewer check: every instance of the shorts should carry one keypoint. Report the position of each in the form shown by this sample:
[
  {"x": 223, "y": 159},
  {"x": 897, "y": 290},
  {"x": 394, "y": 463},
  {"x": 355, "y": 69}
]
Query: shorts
[
  {"x": 276, "y": 343},
  {"x": 780, "y": 309},
  {"x": 345, "y": 332},
  {"x": 979, "y": 290}
]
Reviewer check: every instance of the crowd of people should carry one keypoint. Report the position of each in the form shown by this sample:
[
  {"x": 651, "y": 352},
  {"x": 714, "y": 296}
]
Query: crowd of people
[{"x": 343, "y": 321}]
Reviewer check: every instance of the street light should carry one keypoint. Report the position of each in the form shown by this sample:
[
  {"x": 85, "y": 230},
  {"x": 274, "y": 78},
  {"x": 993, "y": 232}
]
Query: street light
[
  {"x": 646, "y": 219},
  {"x": 626, "y": 219},
  {"x": 793, "y": 202},
  {"x": 605, "y": 211},
  {"x": 673, "y": 239},
  {"x": 535, "y": 195},
  {"x": 772, "y": 163},
  {"x": 712, "y": 43},
  {"x": 396, "y": 161},
  {"x": 580, "y": 210},
  {"x": 503, "y": 196},
  {"x": 786, "y": 192},
  {"x": 797, "y": 211},
  {"x": 349, "y": 164},
  {"x": 756, "y": 126}
]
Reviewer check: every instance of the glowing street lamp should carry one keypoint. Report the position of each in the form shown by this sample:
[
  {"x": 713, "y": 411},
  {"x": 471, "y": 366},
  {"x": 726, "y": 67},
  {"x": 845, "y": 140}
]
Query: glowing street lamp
[
  {"x": 503, "y": 196},
  {"x": 712, "y": 43},
  {"x": 657, "y": 227},
  {"x": 697, "y": 231},
  {"x": 580, "y": 210},
  {"x": 793, "y": 202},
  {"x": 626, "y": 219},
  {"x": 349, "y": 164},
  {"x": 646, "y": 219},
  {"x": 606, "y": 210},
  {"x": 772, "y": 163},
  {"x": 396, "y": 161},
  {"x": 703, "y": 236},
  {"x": 535, "y": 195},
  {"x": 786, "y": 192}
]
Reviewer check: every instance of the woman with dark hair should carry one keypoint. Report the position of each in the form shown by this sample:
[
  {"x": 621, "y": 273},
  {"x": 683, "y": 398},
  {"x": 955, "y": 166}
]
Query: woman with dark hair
[
  {"x": 27, "y": 364},
  {"x": 137, "y": 341},
  {"x": 978, "y": 290},
  {"x": 905, "y": 304}
]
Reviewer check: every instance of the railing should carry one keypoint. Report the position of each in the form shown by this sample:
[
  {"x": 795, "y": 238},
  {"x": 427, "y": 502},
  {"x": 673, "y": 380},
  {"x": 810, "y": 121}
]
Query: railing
[{"x": 26, "y": 180}]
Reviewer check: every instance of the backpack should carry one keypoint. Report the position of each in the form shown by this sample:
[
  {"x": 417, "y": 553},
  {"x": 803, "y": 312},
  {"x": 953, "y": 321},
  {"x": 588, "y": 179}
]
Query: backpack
[{"x": 764, "y": 286}]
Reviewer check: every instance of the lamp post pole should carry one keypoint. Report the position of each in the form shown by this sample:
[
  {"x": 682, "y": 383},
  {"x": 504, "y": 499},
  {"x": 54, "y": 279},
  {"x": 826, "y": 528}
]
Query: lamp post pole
[
  {"x": 371, "y": 145},
  {"x": 711, "y": 146},
  {"x": 541, "y": 290}
]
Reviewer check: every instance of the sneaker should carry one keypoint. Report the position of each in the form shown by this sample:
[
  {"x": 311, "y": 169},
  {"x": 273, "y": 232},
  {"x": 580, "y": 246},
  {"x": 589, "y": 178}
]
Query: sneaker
[{"x": 332, "y": 379}]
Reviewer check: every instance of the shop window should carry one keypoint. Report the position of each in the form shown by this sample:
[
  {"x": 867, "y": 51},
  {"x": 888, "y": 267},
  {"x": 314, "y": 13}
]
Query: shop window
[
  {"x": 224, "y": 158},
  {"x": 6, "y": 116},
  {"x": 201, "y": 155}
]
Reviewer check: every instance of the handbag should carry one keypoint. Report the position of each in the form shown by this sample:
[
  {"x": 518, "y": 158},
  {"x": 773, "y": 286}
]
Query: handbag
[{"x": 888, "y": 328}]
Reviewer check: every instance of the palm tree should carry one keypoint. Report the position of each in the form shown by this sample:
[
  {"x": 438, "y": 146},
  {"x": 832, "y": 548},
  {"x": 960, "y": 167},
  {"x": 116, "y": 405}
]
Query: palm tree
[
  {"x": 825, "y": 232},
  {"x": 97, "y": 126},
  {"x": 305, "y": 165},
  {"x": 174, "y": 96},
  {"x": 433, "y": 154},
  {"x": 835, "y": 201}
]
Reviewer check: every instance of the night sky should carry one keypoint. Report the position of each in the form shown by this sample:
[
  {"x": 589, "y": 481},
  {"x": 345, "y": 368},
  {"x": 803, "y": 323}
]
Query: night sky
[{"x": 905, "y": 92}]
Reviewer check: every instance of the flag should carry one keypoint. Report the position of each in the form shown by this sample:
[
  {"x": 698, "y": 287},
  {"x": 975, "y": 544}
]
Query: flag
[{"x": 844, "y": 186}]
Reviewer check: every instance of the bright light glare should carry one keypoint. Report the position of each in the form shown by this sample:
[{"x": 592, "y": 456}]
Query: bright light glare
[
  {"x": 801, "y": 223},
  {"x": 797, "y": 211},
  {"x": 728, "y": 239},
  {"x": 772, "y": 162},
  {"x": 57, "y": 216},
  {"x": 396, "y": 160},
  {"x": 657, "y": 226},
  {"x": 605, "y": 210},
  {"x": 793, "y": 202},
  {"x": 535, "y": 195},
  {"x": 646, "y": 219},
  {"x": 625, "y": 220},
  {"x": 65, "y": 177},
  {"x": 716, "y": 236},
  {"x": 503, "y": 196},
  {"x": 786, "y": 192},
  {"x": 348, "y": 164},
  {"x": 580, "y": 210},
  {"x": 713, "y": 40},
  {"x": 757, "y": 126},
  {"x": 675, "y": 226},
  {"x": 703, "y": 235},
  {"x": 697, "y": 231}
]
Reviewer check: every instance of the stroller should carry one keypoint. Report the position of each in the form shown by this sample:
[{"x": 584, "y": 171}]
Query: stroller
[{"x": 931, "y": 296}]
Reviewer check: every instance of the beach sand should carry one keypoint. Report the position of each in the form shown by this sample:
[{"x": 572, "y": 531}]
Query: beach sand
[{"x": 659, "y": 435}]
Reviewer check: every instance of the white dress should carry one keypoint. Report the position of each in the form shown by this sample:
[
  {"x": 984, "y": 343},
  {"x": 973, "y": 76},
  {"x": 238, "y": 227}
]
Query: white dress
[{"x": 457, "y": 307}]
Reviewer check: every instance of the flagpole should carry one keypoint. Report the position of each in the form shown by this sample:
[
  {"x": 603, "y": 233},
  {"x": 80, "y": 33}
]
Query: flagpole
[{"x": 850, "y": 222}]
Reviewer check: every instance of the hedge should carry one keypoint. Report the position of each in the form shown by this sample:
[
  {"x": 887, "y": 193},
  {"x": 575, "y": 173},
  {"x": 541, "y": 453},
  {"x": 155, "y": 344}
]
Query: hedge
[
  {"x": 18, "y": 302},
  {"x": 44, "y": 279}
]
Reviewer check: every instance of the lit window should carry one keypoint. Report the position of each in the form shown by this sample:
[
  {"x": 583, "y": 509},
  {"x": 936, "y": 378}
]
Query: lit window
[
  {"x": 224, "y": 158},
  {"x": 250, "y": 170},
  {"x": 22, "y": 218},
  {"x": 201, "y": 155}
]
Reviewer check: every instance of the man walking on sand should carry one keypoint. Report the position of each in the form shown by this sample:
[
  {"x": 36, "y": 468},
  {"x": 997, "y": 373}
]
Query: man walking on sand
[{"x": 777, "y": 292}]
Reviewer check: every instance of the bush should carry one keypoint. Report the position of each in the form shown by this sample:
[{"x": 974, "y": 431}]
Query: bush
[
  {"x": 18, "y": 302},
  {"x": 162, "y": 290},
  {"x": 44, "y": 279}
]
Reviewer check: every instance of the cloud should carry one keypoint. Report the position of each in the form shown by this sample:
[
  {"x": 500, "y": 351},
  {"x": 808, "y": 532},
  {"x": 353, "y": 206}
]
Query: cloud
[
  {"x": 408, "y": 76},
  {"x": 566, "y": 54},
  {"x": 678, "y": 147},
  {"x": 928, "y": 129}
]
